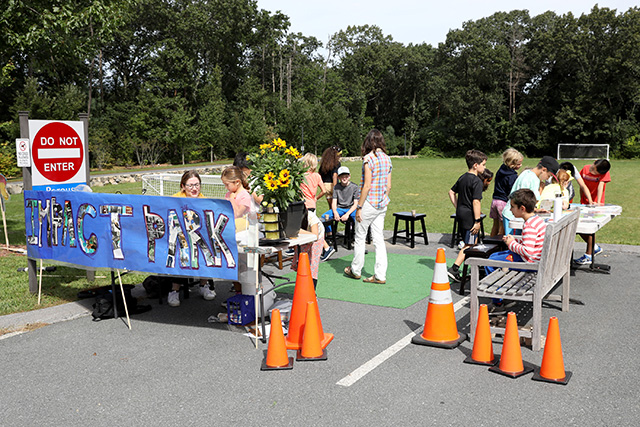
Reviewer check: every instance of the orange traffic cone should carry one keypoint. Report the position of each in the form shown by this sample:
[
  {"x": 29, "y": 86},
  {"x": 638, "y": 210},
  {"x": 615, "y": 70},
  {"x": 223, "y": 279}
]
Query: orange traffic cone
[
  {"x": 552, "y": 369},
  {"x": 311, "y": 346},
  {"x": 277, "y": 358},
  {"x": 511, "y": 364},
  {"x": 302, "y": 294},
  {"x": 482, "y": 353},
  {"x": 440, "y": 329}
]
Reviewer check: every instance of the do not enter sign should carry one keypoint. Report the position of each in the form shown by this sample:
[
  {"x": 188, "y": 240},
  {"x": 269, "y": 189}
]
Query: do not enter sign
[{"x": 58, "y": 151}]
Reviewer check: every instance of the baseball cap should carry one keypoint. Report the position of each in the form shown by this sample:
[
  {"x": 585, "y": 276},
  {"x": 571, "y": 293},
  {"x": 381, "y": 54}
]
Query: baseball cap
[
  {"x": 343, "y": 169},
  {"x": 550, "y": 163}
]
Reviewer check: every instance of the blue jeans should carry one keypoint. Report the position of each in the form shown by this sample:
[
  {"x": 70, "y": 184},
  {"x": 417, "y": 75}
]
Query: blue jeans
[
  {"x": 503, "y": 256},
  {"x": 341, "y": 211}
]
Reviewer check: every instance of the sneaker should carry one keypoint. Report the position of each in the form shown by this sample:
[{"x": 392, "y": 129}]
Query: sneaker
[
  {"x": 454, "y": 274},
  {"x": 207, "y": 293},
  {"x": 327, "y": 253},
  {"x": 289, "y": 252},
  {"x": 597, "y": 250},
  {"x": 583, "y": 260},
  {"x": 173, "y": 299}
]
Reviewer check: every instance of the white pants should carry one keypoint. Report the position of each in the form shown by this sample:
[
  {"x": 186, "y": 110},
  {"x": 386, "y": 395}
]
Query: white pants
[{"x": 375, "y": 218}]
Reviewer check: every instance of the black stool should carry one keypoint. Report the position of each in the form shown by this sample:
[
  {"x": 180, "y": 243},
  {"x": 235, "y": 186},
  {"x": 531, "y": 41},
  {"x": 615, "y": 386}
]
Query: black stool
[
  {"x": 349, "y": 232},
  {"x": 408, "y": 217},
  {"x": 456, "y": 235},
  {"x": 477, "y": 251}
]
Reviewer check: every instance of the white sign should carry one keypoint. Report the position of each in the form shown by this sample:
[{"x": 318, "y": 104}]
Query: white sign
[
  {"x": 58, "y": 152},
  {"x": 23, "y": 153}
]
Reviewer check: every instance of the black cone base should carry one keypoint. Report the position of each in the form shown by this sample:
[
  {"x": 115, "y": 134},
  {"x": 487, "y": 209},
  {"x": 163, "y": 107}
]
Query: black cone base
[
  {"x": 264, "y": 366},
  {"x": 440, "y": 344},
  {"x": 300, "y": 358},
  {"x": 528, "y": 368},
  {"x": 495, "y": 361},
  {"x": 563, "y": 381}
]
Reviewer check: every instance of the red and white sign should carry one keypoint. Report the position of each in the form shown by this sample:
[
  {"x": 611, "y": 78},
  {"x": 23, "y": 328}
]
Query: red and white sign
[{"x": 58, "y": 153}]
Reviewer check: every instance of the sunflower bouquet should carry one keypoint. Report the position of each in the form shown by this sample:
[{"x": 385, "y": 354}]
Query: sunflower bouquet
[{"x": 278, "y": 173}]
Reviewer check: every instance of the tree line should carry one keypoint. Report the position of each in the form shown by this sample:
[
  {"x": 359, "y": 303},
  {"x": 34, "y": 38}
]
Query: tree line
[{"x": 193, "y": 80}]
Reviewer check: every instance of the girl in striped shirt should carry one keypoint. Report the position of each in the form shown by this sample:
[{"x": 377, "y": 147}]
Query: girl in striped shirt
[{"x": 529, "y": 249}]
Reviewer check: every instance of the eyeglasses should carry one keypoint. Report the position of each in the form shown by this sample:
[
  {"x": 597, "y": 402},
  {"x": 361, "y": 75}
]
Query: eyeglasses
[{"x": 192, "y": 186}]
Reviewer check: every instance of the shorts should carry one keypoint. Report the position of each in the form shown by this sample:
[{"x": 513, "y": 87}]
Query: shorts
[
  {"x": 328, "y": 186},
  {"x": 497, "y": 206}
]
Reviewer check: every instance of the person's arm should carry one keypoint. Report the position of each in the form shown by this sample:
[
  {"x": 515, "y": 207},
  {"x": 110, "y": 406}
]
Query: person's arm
[
  {"x": 454, "y": 199},
  {"x": 334, "y": 208},
  {"x": 323, "y": 191},
  {"x": 584, "y": 189},
  {"x": 257, "y": 198},
  {"x": 366, "y": 186},
  {"x": 600, "y": 192},
  {"x": 389, "y": 184},
  {"x": 477, "y": 212}
]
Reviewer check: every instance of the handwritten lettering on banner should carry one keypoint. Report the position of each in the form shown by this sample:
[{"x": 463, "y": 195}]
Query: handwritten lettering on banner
[{"x": 160, "y": 235}]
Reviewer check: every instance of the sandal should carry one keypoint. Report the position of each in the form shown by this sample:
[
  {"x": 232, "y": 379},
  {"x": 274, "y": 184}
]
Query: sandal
[
  {"x": 373, "y": 279},
  {"x": 349, "y": 273}
]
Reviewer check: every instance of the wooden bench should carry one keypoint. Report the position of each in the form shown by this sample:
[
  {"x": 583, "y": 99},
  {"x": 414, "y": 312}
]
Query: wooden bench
[{"x": 532, "y": 286}]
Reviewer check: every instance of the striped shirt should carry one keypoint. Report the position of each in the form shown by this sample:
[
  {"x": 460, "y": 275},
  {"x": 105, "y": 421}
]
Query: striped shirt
[
  {"x": 532, "y": 239},
  {"x": 380, "y": 165}
]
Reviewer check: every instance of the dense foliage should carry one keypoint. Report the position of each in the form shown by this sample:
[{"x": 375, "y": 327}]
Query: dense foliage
[{"x": 184, "y": 80}]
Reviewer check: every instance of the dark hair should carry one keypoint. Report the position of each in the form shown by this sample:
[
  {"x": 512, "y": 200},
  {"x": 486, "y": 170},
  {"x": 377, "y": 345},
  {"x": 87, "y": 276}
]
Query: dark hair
[
  {"x": 374, "y": 140},
  {"x": 568, "y": 166},
  {"x": 241, "y": 161},
  {"x": 233, "y": 173},
  {"x": 602, "y": 166},
  {"x": 474, "y": 157},
  {"x": 524, "y": 197},
  {"x": 187, "y": 176},
  {"x": 330, "y": 159},
  {"x": 484, "y": 176},
  {"x": 305, "y": 219}
]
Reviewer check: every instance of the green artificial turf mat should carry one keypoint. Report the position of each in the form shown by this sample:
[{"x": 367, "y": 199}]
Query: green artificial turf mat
[{"x": 408, "y": 281}]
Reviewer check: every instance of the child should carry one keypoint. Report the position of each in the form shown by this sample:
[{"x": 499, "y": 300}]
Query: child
[
  {"x": 329, "y": 165},
  {"x": 466, "y": 196},
  {"x": 505, "y": 177},
  {"x": 312, "y": 181},
  {"x": 573, "y": 171},
  {"x": 596, "y": 177},
  {"x": 310, "y": 225},
  {"x": 343, "y": 204},
  {"x": 486, "y": 177},
  {"x": 558, "y": 187},
  {"x": 522, "y": 204},
  {"x": 531, "y": 179},
  {"x": 237, "y": 191},
  {"x": 241, "y": 161}
]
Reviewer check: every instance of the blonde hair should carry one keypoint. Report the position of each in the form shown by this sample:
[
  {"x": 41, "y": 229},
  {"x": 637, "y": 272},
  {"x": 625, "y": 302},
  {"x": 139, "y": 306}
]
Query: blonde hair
[
  {"x": 563, "y": 177},
  {"x": 234, "y": 173},
  {"x": 310, "y": 161},
  {"x": 511, "y": 157}
]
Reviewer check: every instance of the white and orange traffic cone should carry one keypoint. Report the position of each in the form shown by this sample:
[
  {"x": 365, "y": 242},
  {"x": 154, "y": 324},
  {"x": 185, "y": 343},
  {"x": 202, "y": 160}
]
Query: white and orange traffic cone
[{"x": 440, "y": 328}]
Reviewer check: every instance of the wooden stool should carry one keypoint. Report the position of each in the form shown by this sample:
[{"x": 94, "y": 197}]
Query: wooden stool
[
  {"x": 477, "y": 251},
  {"x": 456, "y": 235},
  {"x": 408, "y": 217}
]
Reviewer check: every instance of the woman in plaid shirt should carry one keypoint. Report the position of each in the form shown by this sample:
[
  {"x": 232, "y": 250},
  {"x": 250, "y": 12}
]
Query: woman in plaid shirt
[{"x": 375, "y": 184}]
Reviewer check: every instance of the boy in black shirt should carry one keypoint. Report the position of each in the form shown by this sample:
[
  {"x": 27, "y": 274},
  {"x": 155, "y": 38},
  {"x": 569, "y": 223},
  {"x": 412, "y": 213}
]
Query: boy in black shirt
[{"x": 466, "y": 195}]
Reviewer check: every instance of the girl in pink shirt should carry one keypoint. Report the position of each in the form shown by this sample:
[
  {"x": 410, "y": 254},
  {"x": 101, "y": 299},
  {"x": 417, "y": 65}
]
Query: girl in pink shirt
[
  {"x": 312, "y": 181},
  {"x": 237, "y": 191}
]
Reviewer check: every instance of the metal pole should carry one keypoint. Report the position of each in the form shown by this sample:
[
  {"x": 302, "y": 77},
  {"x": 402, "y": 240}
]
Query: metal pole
[
  {"x": 302, "y": 145},
  {"x": 84, "y": 118}
]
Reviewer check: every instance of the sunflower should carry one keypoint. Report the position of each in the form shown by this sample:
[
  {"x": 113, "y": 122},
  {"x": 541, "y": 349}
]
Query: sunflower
[
  {"x": 293, "y": 152},
  {"x": 269, "y": 177},
  {"x": 279, "y": 143}
]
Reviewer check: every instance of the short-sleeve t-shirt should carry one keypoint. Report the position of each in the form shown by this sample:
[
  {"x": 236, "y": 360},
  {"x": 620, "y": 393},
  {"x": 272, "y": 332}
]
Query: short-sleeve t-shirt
[
  {"x": 505, "y": 177},
  {"x": 309, "y": 188},
  {"x": 527, "y": 179},
  {"x": 592, "y": 181},
  {"x": 242, "y": 199},
  {"x": 346, "y": 195},
  {"x": 328, "y": 176},
  {"x": 468, "y": 188}
]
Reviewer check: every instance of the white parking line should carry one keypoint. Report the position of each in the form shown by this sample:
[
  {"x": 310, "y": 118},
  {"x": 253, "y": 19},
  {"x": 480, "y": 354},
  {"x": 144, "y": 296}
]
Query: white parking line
[{"x": 369, "y": 366}]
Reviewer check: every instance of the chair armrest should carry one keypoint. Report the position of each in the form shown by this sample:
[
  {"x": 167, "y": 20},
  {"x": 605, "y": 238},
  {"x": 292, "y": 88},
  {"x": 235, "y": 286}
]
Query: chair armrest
[{"x": 481, "y": 262}]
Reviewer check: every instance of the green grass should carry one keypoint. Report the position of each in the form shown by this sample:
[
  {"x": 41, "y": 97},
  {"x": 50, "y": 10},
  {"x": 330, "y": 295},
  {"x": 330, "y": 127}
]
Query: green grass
[{"x": 420, "y": 184}]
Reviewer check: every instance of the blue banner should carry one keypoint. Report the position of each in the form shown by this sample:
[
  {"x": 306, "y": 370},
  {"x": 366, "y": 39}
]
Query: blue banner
[{"x": 160, "y": 235}]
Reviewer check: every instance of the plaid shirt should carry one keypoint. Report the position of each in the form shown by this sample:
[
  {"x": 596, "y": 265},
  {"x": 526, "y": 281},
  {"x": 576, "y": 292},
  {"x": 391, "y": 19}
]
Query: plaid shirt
[{"x": 380, "y": 165}]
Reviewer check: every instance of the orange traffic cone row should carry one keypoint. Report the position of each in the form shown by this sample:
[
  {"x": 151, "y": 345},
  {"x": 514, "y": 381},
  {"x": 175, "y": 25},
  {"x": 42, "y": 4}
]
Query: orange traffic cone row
[
  {"x": 511, "y": 364},
  {"x": 440, "y": 329},
  {"x": 552, "y": 369},
  {"x": 303, "y": 294},
  {"x": 482, "y": 353},
  {"x": 311, "y": 345},
  {"x": 277, "y": 358}
]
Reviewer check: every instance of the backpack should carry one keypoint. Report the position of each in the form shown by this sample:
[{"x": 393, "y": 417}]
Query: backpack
[{"x": 103, "y": 307}]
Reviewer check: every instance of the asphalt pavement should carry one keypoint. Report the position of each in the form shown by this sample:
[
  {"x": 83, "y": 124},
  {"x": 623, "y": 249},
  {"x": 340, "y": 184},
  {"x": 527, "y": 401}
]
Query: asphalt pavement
[{"x": 174, "y": 367}]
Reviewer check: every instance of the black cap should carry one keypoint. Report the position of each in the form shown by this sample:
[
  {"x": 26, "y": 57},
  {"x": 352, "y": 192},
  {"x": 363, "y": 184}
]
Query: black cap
[{"x": 550, "y": 163}]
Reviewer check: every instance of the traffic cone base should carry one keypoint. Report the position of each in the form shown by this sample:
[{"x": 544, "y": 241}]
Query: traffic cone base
[
  {"x": 440, "y": 344},
  {"x": 563, "y": 381},
  {"x": 472, "y": 361},
  {"x": 265, "y": 367},
  {"x": 301, "y": 358},
  {"x": 528, "y": 368}
]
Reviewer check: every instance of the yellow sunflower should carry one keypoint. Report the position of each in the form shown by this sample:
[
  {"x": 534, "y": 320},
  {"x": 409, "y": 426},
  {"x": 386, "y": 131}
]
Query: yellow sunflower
[
  {"x": 279, "y": 143},
  {"x": 270, "y": 176}
]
